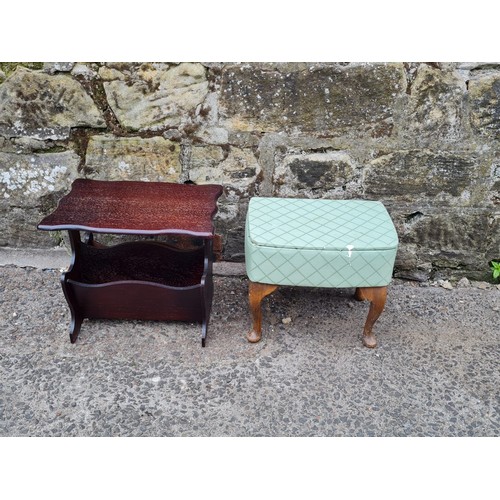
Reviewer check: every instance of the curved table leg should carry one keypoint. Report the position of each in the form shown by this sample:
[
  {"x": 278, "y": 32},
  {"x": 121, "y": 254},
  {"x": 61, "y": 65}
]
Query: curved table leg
[
  {"x": 377, "y": 296},
  {"x": 256, "y": 292},
  {"x": 204, "y": 328},
  {"x": 77, "y": 315},
  {"x": 207, "y": 289},
  {"x": 74, "y": 327}
]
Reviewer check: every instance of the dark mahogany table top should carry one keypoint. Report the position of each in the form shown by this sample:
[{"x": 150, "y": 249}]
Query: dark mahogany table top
[{"x": 134, "y": 207}]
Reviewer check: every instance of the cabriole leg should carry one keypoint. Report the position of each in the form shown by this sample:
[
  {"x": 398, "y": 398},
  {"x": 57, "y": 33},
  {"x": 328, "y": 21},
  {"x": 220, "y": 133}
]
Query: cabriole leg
[
  {"x": 377, "y": 297},
  {"x": 256, "y": 292}
]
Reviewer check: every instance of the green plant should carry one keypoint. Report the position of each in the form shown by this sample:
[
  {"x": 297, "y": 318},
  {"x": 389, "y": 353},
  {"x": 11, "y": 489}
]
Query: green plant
[{"x": 495, "y": 269}]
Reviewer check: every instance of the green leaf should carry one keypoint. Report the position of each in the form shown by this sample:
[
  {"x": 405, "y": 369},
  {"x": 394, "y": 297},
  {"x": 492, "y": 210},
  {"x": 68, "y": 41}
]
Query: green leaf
[{"x": 496, "y": 273}]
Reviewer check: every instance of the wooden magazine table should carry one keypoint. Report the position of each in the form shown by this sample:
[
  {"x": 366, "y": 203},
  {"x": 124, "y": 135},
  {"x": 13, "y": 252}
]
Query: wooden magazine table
[
  {"x": 319, "y": 243},
  {"x": 146, "y": 280}
]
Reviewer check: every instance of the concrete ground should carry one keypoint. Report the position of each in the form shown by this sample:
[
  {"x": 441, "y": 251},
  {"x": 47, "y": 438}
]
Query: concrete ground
[{"x": 435, "y": 372}]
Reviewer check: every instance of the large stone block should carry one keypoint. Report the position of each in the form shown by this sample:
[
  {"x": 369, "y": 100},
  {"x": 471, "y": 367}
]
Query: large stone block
[
  {"x": 329, "y": 99},
  {"x": 239, "y": 172},
  {"x": 35, "y": 104},
  {"x": 435, "y": 106},
  {"x": 456, "y": 240},
  {"x": 30, "y": 187},
  {"x": 316, "y": 175},
  {"x": 133, "y": 158},
  {"x": 484, "y": 93},
  {"x": 18, "y": 227},
  {"x": 237, "y": 169},
  {"x": 26, "y": 179},
  {"x": 154, "y": 96},
  {"x": 422, "y": 176}
]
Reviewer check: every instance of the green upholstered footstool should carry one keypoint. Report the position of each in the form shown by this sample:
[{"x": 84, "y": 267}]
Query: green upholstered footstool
[{"x": 319, "y": 243}]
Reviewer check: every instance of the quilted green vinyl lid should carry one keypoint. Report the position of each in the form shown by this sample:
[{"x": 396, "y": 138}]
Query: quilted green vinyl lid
[{"x": 320, "y": 224}]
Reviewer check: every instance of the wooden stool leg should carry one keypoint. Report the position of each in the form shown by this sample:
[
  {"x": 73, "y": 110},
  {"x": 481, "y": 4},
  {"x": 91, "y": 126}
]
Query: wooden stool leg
[
  {"x": 256, "y": 292},
  {"x": 377, "y": 296}
]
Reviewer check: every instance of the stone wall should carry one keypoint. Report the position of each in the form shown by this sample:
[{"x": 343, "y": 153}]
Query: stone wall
[{"x": 424, "y": 138}]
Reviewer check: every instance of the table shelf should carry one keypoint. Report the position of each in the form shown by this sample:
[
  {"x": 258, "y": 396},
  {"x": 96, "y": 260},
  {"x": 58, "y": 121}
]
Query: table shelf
[
  {"x": 142, "y": 300},
  {"x": 138, "y": 280},
  {"x": 141, "y": 261}
]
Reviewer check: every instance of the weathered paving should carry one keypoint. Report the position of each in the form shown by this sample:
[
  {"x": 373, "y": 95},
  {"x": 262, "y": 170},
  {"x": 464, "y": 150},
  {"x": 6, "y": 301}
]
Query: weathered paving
[{"x": 435, "y": 372}]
